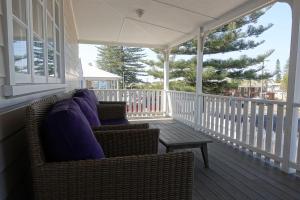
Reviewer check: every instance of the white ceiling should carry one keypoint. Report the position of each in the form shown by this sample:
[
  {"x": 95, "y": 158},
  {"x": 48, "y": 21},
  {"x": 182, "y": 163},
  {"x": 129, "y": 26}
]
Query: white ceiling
[{"x": 164, "y": 23}]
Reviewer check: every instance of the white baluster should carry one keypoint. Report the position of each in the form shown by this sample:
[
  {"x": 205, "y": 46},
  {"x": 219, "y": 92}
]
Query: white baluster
[
  {"x": 252, "y": 124},
  {"x": 232, "y": 118},
  {"x": 269, "y": 131},
  {"x": 260, "y": 126},
  {"x": 238, "y": 120},
  {"x": 245, "y": 137}
]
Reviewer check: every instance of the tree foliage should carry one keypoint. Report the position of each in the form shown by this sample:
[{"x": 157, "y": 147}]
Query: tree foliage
[
  {"x": 221, "y": 74},
  {"x": 123, "y": 61},
  {"x": 278, "y": 72}
]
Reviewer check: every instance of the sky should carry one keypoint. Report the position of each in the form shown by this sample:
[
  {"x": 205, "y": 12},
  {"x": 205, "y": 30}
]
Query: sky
[{"x": 277, "y": 38}]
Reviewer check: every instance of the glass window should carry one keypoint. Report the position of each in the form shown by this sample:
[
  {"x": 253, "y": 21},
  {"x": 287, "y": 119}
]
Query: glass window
[
  {"x": 37, "y": 15},
  {"x": 51, "y": 65},
  {"x": 20, "y": 48},
  {"x": 50, "y": 31},
  {"x": 38, "y": 57},
  {"x": 57, "y": 41},
  {"x": 58, "y": 65},
  {"x": 19, "y": 9}
]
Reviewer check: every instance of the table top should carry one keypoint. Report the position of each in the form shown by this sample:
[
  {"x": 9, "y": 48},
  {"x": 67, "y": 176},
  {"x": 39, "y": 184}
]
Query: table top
[{"x": 183, "y": 139}]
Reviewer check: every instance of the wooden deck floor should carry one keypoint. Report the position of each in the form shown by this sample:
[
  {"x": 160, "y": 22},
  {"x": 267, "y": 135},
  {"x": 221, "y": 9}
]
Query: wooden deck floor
[{"x": 234, "y": 174}]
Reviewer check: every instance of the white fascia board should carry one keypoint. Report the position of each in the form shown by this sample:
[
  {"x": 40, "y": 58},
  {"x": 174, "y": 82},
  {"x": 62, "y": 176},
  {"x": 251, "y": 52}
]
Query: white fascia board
[
  {"x": 234, "y": 14},
  {"x": 141, "y": 45}
]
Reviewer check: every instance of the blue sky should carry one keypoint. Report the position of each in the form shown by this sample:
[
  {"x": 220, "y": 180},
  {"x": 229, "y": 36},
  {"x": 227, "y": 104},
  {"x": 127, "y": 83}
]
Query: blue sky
[{"x": 278, "y": 38}]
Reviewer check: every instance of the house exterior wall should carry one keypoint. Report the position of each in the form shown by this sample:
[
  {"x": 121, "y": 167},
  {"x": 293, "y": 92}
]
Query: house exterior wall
[{"x": 14, "y": 162}]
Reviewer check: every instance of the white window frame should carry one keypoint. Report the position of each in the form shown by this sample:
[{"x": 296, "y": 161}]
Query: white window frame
[{"x": 22, "y": 84}]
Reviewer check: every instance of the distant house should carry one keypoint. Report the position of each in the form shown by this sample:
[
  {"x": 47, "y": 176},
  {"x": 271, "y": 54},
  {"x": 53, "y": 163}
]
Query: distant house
[{"x": 95, "y": 78}]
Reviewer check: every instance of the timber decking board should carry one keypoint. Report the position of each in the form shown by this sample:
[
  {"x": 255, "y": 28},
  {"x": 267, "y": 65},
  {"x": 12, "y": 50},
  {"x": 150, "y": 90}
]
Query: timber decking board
[{"x": 233, "y": 174}]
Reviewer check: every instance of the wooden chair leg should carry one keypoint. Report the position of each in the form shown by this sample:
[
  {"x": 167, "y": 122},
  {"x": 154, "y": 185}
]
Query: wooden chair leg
[{"x": 205, "y": 155}]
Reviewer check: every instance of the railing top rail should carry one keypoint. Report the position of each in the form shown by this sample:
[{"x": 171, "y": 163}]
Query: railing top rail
[
  {"x": 174, "y": 91},
  {"x": 126, "y": 90},
  {"x": 264, "y": 101}
]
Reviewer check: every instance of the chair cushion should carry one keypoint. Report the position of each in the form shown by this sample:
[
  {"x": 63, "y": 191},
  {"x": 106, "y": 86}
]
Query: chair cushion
[
  {"x": 114, "y": 122},
  {"x": 89, "y": 96},
  {"x": 89, "y": 113},
  {"x": 68, "y": 135}
]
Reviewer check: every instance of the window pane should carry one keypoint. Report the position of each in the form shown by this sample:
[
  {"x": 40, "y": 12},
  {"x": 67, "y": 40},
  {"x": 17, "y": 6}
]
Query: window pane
[
  {"x": 58, "y": 65},
  {"x": 50, "y": 30},
  {"x": 50, "y": 6},
  {"x": 57, "y": 41},
  {"x": 19, "y": 9},
  {"x": 38, "y": 57},
  {"x": 56, "y": 14},
  {"x": 37, "y": 16},
  {"x": 51, "y": 66},
  {"x": 20, "y": 48}
]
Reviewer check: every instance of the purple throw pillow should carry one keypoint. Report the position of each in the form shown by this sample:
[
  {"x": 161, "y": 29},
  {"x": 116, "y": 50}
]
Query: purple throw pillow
[
  {"x": 90, "y": 114},
  {"x": 68, "y": 135},
  {"x": 89, "y": 96}
]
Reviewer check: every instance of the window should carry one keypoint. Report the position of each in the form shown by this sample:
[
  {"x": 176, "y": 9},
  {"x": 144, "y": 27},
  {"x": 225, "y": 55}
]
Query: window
[{"x": 36, "y": 42}]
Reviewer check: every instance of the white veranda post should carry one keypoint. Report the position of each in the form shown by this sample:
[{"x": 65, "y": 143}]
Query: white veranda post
[
  {"x": 166, "y": 53},
  {"x": 291, "y": 125},
  {"x": 199, "y": 100}
]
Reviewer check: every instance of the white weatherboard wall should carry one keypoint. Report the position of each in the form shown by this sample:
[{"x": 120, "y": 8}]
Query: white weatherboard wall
[{"x": 14, "y": 163}]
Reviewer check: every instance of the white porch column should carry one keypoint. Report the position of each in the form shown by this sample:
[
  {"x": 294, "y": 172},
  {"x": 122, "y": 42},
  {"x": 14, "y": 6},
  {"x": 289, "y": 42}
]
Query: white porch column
[
  {"x": 293, "y": 96},
  {"x": 166, "y": 53},
  {"x": 199, "y": 99}
]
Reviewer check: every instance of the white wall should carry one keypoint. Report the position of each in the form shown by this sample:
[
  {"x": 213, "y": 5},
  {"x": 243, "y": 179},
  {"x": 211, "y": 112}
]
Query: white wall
[{"x": 14, "y": 163}]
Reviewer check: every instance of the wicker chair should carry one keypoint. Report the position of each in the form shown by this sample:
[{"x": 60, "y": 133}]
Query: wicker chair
[
  {"x": 132, "y": 169},
  {"x": 108, "y": 110}
]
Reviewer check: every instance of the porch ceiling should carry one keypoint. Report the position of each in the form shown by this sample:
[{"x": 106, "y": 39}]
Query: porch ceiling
[{"x": 164, "y": 23}]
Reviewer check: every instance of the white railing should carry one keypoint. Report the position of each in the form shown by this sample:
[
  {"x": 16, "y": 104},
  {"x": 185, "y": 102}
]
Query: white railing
[
  {"x": 252, "y": 124},
  {"x": 140, "y": 103},
  {"x": 181, "y": 106}
]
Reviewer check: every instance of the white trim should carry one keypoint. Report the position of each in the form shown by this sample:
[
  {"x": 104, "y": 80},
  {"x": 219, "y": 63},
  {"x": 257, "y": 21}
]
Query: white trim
[
  {"x": 142, "y": 45},
  {"x": 293, "y": 95},
  {"x": 8, "y": 37},
  {"x": 7, "y": 105},
  {"x": 17, "y": 90}
]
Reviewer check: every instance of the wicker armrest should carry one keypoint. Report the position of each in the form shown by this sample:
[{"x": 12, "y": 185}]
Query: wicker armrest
[
  {"x": 111, "y": 111},
  {"x": 113, "y": 102},
  {"x": 167, "y": 176},
  {"x": 121, "y": 127},
  {"x": 128, "y": 142}
]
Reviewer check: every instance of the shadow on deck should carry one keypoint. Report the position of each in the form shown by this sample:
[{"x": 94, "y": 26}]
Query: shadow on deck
[{"x": 233, "y": 174}]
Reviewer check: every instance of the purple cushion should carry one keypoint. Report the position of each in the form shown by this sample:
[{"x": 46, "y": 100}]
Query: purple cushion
[
  {"x": 89, "y": 96},
  {"x": 89, "y": 113},
  {"x": 68, "y": 135},
  {"x": 114, "y": 122}
]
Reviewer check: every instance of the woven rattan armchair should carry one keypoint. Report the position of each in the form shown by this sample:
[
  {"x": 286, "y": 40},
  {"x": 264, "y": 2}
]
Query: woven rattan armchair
[{"x": 132, "y": 169}]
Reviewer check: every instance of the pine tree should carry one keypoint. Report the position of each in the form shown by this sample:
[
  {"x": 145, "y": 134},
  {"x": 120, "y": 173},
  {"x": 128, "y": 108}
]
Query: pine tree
[
  {"x": 126, "y": 62},
  {"x": 233, "y": 37},
  {"x": 278, "y": 71}
]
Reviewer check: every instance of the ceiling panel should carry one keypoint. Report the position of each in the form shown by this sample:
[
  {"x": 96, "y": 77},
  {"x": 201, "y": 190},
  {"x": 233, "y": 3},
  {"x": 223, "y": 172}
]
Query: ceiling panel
[
  {"x": 162, "y": 23},
  {"x": 136, "y": 32},
  {"x": 211, "y": 8}
]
